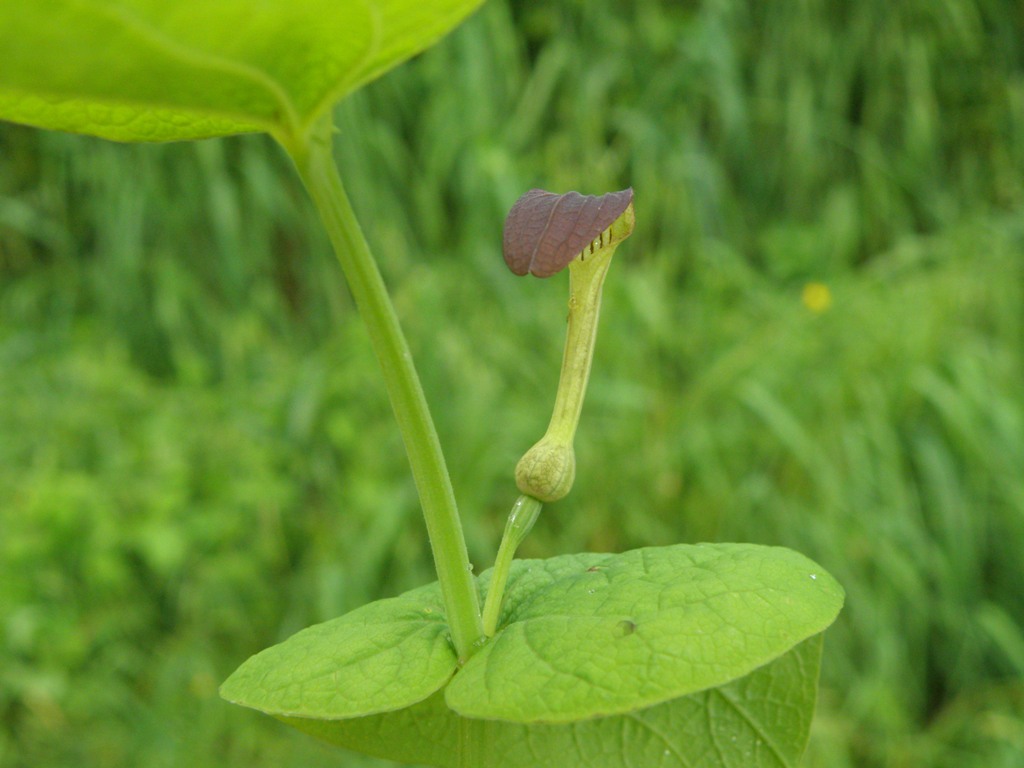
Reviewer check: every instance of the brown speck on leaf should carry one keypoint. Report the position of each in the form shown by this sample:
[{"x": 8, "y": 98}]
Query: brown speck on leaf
[
  {"x": 545, "y": 231},
  {"x": 625, "y": 627}
]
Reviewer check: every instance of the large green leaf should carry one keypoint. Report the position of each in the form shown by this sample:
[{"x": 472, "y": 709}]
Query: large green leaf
[
  {"x": 160, "y": 70},
  {"x": 759, "y": 721},
  {"x": 588, "y": 635}
]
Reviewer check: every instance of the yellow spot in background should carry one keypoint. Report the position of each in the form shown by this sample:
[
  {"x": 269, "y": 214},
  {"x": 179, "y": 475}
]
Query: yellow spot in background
[{"x": 816, "y": 297}]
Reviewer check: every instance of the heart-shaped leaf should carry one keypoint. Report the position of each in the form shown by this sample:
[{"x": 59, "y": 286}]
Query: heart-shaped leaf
[
  {"x": 759, "y": 721},
  {"x": 161, "y": 70},
  {"x": 589, "y": 635}
]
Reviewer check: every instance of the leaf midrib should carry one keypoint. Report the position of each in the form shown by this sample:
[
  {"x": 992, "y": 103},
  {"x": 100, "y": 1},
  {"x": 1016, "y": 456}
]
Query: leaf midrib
[
  {"x": 153, "y": 37},
  {"x": 644, "y": 725},
  {"x": 376, "y": 35},
  {"x": 753, "y": 724}
]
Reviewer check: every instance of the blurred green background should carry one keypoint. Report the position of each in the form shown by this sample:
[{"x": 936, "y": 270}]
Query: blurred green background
[{"x": 815, "y": 338}]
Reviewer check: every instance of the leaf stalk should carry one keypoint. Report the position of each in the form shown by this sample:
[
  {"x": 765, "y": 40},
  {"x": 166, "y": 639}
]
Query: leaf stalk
[
  {"x": 314, "y": 159},
  {"x": 524, "y": 514}
]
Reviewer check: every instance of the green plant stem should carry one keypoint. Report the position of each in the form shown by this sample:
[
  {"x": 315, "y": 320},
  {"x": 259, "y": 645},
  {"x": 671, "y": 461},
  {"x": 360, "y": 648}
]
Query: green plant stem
[
  {"x": 314, "y": 159},
  {"x": 520, "y": 520}
]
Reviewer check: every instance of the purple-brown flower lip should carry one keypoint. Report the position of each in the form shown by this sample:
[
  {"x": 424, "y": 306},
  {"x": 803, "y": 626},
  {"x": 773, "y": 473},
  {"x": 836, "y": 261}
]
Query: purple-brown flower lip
[{"x": 545, "y": 231}]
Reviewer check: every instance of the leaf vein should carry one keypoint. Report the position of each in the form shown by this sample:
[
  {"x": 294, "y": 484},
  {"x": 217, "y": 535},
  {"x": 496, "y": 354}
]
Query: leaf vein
[
  {"x": 147, "y": 33},
  {"x": 644, "y": 725},
  {"x": 752, "y": 722},
  {"x": 358, "y": 69}
]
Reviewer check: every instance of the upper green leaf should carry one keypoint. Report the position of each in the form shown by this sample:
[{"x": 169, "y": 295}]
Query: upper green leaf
[
  {"x": 154, "y": 70},
  {"x": 591, "y": 635}
]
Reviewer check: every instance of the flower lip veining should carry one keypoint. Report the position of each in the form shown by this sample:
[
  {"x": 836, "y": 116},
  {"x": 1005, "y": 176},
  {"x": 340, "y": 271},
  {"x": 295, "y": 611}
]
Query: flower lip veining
[{"x": 545, "y": 231}]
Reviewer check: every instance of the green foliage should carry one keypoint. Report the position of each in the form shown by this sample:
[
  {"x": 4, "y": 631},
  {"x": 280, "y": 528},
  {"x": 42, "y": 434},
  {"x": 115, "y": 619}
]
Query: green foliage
[
  {"x": 177, "y": 67},
  {"x": 758, "y": 721},
  {"x": 187, "y": 72},
  {"x": 582, "y": 637},
  {"x": 174, "y": 367},
  {"x": 384, "y": 656},
  {"x": 147, "y": 70}
]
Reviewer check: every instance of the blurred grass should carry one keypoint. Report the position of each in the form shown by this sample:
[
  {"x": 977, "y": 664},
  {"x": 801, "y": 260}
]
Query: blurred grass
[{"x": 197, "y": 459}]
